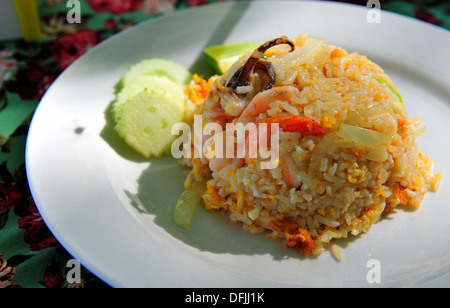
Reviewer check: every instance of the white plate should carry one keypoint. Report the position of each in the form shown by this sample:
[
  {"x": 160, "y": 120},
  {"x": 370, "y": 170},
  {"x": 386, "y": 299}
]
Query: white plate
[{"x": 80, "y": 171}]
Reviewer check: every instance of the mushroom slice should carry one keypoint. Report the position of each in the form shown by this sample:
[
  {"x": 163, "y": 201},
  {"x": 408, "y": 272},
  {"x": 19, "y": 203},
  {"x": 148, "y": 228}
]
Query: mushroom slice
[{"x": 256, "y": 63}]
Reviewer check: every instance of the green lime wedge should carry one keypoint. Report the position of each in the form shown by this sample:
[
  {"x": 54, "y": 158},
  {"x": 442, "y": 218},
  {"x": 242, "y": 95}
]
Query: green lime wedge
[{"x": 221, "y": 57}]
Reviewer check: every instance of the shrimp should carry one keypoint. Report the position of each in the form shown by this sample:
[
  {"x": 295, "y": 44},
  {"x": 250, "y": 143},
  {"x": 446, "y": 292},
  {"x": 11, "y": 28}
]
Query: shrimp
[
  {"x": 261, "y": 102},
  {"x": 289, "y": 170},
  {"x": 217, "y": 155},
  {"x": 216, "y": 164}
]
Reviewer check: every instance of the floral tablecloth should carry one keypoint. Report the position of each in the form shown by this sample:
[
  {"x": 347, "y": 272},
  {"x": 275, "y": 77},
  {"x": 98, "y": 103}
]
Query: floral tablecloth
[{"x": 30, "y": 256}]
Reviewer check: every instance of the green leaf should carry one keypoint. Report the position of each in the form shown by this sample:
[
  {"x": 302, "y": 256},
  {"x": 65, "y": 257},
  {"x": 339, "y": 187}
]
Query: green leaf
[
  {"x": 14, "y": 114},
  {"x": 3, "y": 218},
  {"x": 15, "y": 260},
  {"x": 15, "y": 156}
]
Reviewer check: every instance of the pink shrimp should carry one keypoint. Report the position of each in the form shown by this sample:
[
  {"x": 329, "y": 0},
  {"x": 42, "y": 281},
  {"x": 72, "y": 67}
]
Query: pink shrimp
[
  {"x": 261, "y": 102},
  {"x": 219, "y": 159},
  {"x": 289, "y": 170}
]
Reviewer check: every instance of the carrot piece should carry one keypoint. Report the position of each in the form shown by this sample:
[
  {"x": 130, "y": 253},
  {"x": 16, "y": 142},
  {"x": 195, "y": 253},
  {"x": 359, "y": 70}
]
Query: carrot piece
[{"x": 399, "y": 193}]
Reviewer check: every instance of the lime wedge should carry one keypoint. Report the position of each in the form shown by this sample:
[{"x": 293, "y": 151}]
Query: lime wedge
[{"x": 221, "y": 57}]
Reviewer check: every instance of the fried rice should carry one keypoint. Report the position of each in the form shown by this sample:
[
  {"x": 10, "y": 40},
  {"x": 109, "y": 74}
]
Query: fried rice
[{"x": 325, "y": 186}]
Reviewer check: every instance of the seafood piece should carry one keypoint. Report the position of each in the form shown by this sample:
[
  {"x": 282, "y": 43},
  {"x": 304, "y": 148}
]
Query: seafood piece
[
  {"x": 289, "y": 172},
  {"x": 241, "y": 77},
  {"x": 303, "y": 125},
  {"x": 261, "y": 102}
]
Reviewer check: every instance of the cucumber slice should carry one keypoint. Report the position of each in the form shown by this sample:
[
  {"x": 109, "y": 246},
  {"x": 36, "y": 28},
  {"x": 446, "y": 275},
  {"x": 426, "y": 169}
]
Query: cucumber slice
[
  {"x": 221, "y": 57},
  {"x": 146, "y": 119},
  {"x": 148, "y": 83},
  {"x": 157, "y": 67}
]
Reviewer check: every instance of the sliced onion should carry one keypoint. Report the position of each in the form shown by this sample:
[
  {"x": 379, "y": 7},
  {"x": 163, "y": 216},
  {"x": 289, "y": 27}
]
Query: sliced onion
[
  {"x": 364, "y": 137},
  {"x": 301, "y": 54},
  {"x": 379, "y": 154},
  {"x": 254, "y": 213},
  {"x": 187, "y": 203}
]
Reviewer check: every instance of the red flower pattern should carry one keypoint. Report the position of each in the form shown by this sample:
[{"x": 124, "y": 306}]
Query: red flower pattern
[
  {"x": 9, "y": 196},
  {"x": 31, "y": 82},
  {"x": 115, "y": 6},
  {"x": 424, "y": 15},
  {"x": 110, "y": 23},
  {"x": 71, "y": 46},
  {"x": 37, "y": 234},
  {"x": 53, "y": 277},
  {"x": 197, "y": 2}
]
